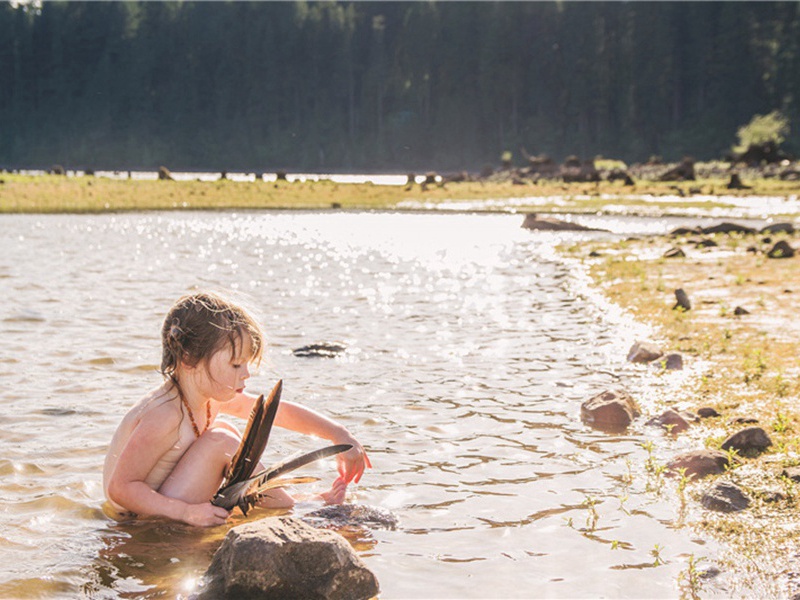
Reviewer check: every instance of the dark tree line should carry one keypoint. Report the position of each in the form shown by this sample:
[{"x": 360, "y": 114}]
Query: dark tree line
[{"x": 386, "y": 85}]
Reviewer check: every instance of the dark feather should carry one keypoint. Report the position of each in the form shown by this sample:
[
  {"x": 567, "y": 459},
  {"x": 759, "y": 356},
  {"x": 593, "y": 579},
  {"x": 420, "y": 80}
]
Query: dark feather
[
  {"x": 245, "y": 493},
  {"x": 256, "y": 436}
]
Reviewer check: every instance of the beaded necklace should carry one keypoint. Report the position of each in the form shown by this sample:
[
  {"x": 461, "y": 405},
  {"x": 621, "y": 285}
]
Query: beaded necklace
[{"x": 191, "y": 416}]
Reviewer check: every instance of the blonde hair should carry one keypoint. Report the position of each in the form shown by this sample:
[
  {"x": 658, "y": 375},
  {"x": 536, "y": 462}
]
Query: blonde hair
[{"x": 201, "y": 324}]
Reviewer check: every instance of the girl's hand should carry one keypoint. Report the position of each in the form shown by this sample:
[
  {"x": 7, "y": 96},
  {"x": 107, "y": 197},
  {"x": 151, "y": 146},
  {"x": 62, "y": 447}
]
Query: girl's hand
[
  {"x": 204, "y": 515},
  {"x": 351, "y": 464}
]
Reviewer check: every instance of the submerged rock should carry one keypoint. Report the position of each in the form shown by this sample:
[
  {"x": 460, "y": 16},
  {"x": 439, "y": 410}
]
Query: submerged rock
[
  {"x": 282, "y": 557},
  {"x": 612, "y": 411},
  {"x": 352, "y": 515},
  {"x": 671, "y": 420},
  {"x": 725, "y": 496},
  {"x": 321, "y": 349},
  {"x": 701, "y": 463},
  {"x": 536, "y": 222}
]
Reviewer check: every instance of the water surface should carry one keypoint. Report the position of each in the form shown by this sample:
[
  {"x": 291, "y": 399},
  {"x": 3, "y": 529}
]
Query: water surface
[{"x": 471, "y": 346}]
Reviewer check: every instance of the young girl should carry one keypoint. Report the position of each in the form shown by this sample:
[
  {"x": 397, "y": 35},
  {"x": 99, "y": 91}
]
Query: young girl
[{"x": 169, "y": 453}]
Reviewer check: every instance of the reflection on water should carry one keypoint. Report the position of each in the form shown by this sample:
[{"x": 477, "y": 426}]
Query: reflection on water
[{"x": 470, "y": 346}]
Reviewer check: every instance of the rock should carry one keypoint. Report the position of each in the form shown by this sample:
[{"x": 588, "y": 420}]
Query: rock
[
  {"x": 611, "y": 411},
  {"x": 671, "y": 420},
  {"x": 748, "y": 439},
  {"x": 742, "y": 421},
  {"x": 781, "y": 249},
  {"x": 164, "y": 174},
  {"x": 352, "y": 515},
  {"x": 736, "y": 183},
  {"x": 671, "y": 362},
  {"x": 701, "y": 463},
  {"x": 707, "y": 412},
  {"x": 321, "y": 349},
  {"x": 704, "y": 243},
  {"x": 779, "y": 228},
  {"x": 282, "y": 557},
  {"x": 729, "y": 228},
  {"x": 643, "y": 352},
  {"x": 739, "y": 311},
  {"x": 685, "y": 231},
  {"x": 725, "y": 496},
  {"x": 535, "y": 222},
  {"x": 792, "y": 473},
  {"x": 674, "y": 252},
  {"x": 682, "y": 300},
  {"x": 684, "y": 171}
]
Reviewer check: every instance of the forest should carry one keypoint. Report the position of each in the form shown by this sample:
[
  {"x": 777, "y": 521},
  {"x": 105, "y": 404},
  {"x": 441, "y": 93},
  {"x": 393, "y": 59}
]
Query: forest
[{"x": 386, "y": 86}]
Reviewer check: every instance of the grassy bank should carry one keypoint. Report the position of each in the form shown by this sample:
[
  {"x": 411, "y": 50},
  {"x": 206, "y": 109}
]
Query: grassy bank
[
  {"x": 53, "y": 193},
  {"x": 751, "y": 371}
]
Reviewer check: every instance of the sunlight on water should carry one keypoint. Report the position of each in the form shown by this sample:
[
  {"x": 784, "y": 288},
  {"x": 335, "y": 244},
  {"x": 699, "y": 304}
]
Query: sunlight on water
[{"x": 470, "y": 347}]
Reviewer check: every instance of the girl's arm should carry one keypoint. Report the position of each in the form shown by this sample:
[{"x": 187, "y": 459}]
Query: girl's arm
[
  {"x": 302, "y": 419},
  {"x": 149, "y": 441}
]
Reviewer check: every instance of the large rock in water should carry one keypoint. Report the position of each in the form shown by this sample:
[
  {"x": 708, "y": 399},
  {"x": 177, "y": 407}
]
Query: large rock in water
[
  {"x": 701, "y": 463},
  {"x": 537, "y": 222},
  {"x": 284, "y": 558},
  {"x": 612, "y": 411}
]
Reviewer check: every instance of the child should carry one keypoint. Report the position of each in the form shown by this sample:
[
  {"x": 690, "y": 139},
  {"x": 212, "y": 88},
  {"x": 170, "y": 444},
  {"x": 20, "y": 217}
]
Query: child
[{"x": 169, "y": 453}]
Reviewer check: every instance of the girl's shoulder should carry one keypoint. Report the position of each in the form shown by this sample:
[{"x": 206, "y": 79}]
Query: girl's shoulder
[{"x": 159, "y": 405}]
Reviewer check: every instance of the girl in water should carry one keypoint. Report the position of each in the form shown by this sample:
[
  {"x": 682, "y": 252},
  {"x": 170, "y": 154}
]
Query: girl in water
[{"x": 169, "y": 454}]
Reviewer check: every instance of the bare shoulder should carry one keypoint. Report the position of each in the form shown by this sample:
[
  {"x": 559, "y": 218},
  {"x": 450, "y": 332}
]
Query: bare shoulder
[{"x": 158, "y": 412}]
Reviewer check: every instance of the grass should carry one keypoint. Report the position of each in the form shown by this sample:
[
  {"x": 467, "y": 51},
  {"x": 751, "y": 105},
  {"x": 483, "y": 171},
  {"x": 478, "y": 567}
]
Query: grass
[{"x": 53, "y": 193}]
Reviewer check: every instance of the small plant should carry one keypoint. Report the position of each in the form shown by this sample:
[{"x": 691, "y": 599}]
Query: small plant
[
  {"x": 690, "y": 580},
  {"x": 781, "y": 423},
  {"x": 656, "y": 554},
  {"x": 593, "y": 516}
]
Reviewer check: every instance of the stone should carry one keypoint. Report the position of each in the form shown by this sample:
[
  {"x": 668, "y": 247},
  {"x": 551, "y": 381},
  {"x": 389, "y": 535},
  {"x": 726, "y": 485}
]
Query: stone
[
  {"x": 674, "y": 252},
  {"x": 749, "y": 439},
  {"x": 536, "y": 222},
  {"x": 739, "y": 311},
  {"x": 779, "y": 228},
  {"x": 644, "y": 352},
  {"x": 792, "y": 473},
  {"x": 612, "y": 411},
  {"x": 729, "y": 228},
  {"x": 701, "y": 463},
  {"x": 682, "y": 300},
  {"x": 671, "y": 420},
  {"x": 707, "y": 412},
  {"x": 671, "y": 362},
  {"x": 781, "y": 249},
  {"x": 685, "y": 231},
  {"x": 282, "y": 557},
  {"x": 725, "y": 496}
]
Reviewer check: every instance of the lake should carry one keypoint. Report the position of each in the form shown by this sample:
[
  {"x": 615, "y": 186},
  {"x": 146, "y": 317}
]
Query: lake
[{"x": 471, "y": 345}]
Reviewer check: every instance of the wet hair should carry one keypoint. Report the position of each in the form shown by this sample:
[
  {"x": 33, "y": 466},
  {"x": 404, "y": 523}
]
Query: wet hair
[{"x": 199, "y": 325}]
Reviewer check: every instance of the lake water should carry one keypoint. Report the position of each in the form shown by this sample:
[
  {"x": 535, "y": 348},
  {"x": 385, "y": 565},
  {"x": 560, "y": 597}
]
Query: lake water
[{"x": 471, "y": 346}]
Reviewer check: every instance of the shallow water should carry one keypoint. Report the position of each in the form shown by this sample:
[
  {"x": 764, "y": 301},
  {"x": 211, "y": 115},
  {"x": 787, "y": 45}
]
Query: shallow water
[{"x": 471, "y": 346}]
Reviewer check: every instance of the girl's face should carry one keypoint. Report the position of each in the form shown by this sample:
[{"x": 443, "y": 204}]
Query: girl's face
[{"x": 226, "y": 374}]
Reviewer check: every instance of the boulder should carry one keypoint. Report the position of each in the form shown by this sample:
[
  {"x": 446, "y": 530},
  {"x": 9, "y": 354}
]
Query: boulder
[
  {"x": 611, "y": 411},
  {"x": 740, "y": 311},
  {"x": 672, "y": 362},
  {"x": 282, "y": 557},
  {"x": 725, "y": 496},
  {"x": 749, "y": 439},
  {"x": 163, "y": 174},
  {"x": 781, "y": 249},
  {"x": 643, "y": 352},
  {"x": 792, "y": 473},
  {"x": 701, "y": 463},
  {"x": 671, "y": 420}
]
